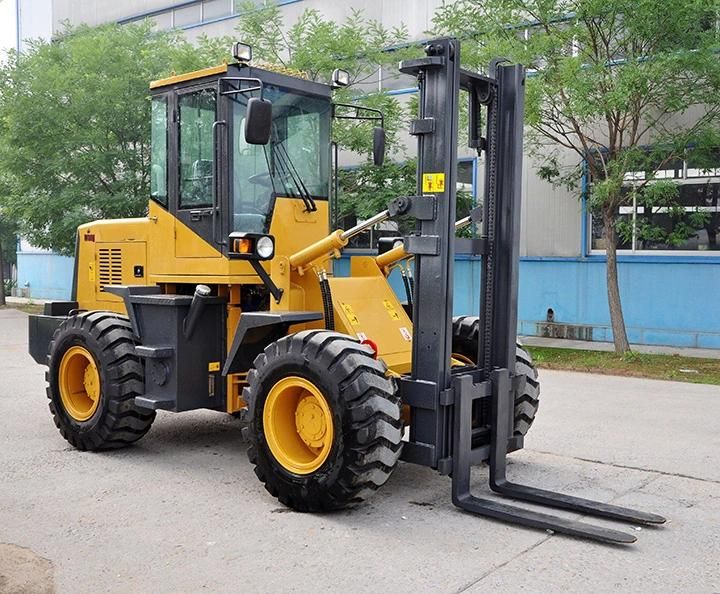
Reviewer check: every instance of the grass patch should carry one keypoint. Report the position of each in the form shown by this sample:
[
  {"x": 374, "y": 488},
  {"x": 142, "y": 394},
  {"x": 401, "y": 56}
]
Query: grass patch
[
  {"x": 31, "y": 308},
  {"x": 667, "y": 367}
]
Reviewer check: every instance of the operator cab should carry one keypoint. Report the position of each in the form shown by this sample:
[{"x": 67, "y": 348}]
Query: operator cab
[{"x": 206, "y": 173}]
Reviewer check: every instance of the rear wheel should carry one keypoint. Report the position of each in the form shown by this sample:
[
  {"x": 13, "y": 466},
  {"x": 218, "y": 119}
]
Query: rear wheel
[
  {"x": 324, "y": 421},
  {"x": 93, "y": 377},
  {"x": 465, "y": 348}
]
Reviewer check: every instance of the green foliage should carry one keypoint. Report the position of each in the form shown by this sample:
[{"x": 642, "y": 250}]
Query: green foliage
[
  {"x": 367, "y": 189},
  {"x": 608, "y": 77},
  {"x": 74, "y": 125},
  {"x": 316, "y": 46}
]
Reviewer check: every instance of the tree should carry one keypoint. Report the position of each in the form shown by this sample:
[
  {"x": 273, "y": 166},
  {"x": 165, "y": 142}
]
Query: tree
[
  {"x": 7, "y": 252},
  {"x": 626, "y": 85},
  {"x": 74, "y": 125}
]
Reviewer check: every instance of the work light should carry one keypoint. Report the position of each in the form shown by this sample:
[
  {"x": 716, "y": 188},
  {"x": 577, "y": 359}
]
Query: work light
[
  {"x": 340, "y": 78},
  {"x": 242, "y": 52}
]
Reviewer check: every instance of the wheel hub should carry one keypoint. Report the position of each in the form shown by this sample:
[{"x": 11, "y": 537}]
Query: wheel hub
[
  {"x": 310, "y": 421},
  {"x": 79, "y": 383},
  {"x": 298, "y": 425},
  {"x": 90, "y": 381}
]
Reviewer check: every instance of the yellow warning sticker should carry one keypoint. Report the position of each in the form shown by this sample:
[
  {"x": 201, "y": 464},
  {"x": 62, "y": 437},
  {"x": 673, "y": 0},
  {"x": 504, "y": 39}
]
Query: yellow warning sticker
[
  {"x": 214, "y": 366},
  {"x": 392, "y": 312},
  {"x": 91, "y": 272},
  {"x": 352, "y": 318},
  {"x": 433, "y": 182}
]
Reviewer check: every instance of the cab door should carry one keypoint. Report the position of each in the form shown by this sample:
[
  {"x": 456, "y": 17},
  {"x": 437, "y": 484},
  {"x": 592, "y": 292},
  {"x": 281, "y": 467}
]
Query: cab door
[{"x": 202, "y": 191}]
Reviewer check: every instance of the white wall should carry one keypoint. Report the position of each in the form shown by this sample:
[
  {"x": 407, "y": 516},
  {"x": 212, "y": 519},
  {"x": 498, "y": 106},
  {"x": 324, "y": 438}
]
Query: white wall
[
  {"x": 35, "y": 20},
  {"x": 8, "y": 28}
]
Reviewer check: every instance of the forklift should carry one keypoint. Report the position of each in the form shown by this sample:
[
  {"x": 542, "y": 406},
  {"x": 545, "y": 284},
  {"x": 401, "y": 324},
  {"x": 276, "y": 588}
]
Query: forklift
[{"x": 223, "y": 297}]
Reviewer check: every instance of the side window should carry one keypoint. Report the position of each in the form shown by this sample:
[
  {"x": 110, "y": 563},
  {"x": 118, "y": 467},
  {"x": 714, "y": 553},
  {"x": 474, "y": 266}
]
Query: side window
[
  {"x": 158, "y": 152},
  {"x": 197, "y": 152}
]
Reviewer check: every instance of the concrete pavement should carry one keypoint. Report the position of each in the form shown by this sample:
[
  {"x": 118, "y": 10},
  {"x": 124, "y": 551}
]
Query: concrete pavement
[{"x": 182, "y": 511}]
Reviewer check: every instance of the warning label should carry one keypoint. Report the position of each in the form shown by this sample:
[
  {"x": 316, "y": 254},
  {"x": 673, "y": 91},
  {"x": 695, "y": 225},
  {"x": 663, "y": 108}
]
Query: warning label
[
  {"x": 392, "y": 312},
  {"x": 406, "y": 334},
  {"x": 433, "y": 182},
  {"x": 352, "y": 318}
]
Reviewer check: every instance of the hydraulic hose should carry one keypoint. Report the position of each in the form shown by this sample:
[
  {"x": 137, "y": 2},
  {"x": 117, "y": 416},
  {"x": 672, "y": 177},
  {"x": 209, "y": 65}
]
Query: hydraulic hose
[
  {"x": 408, "y": 289},
  {"x": 326, "y": 296}
]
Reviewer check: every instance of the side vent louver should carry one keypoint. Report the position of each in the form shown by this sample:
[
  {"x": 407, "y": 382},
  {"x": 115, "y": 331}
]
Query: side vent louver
[{"x": 109, "y": 267}]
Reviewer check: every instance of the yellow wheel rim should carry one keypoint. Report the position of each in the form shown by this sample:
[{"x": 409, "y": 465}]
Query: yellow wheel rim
[
  {"x": 298, "y": 425},
  {"x": 459, "y": 360},
  {"x": 79, "y": 383}
]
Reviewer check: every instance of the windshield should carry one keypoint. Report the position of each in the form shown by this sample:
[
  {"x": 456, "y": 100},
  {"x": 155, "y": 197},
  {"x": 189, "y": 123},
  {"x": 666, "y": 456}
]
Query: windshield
[{"x": 294, "y": 163}]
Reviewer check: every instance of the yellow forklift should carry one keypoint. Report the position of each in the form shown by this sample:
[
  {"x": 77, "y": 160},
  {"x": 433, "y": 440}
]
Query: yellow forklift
[{"x": 223, "y": 297}]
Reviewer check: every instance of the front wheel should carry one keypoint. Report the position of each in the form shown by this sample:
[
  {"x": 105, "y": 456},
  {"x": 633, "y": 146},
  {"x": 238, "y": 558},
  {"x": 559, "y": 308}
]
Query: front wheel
[
  {"x": 93, "y": 377},
  {"x": 325, "y": 425}
]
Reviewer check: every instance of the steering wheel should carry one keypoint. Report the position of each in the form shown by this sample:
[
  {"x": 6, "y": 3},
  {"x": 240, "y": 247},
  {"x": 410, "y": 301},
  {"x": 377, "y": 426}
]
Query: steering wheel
[{"x": 261, "y": 179}]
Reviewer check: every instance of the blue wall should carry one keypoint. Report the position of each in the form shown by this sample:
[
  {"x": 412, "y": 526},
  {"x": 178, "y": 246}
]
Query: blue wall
[
  {"x": 669, "y": 300},
  {"x": 666, "y": 300},
  {"x": 44, "y": 275}
]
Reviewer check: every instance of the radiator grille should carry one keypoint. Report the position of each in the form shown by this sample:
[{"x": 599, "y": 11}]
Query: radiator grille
[{"x": 109, "y": 267}]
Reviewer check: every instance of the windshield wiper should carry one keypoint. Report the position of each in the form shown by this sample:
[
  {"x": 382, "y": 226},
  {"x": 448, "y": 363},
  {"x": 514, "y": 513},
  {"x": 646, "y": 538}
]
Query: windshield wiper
[
  {"x": 284, "y": 160},
  {"x": 271, "y": 173}
]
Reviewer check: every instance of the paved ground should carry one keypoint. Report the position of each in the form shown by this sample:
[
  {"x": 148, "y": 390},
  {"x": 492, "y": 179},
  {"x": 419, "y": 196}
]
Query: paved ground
[{"x": 182, "y": 511}]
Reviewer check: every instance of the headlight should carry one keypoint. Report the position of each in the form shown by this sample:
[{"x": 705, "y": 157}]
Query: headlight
[
  {"x": 251, "y": 246},
  {"x": 264, "y": 247}
]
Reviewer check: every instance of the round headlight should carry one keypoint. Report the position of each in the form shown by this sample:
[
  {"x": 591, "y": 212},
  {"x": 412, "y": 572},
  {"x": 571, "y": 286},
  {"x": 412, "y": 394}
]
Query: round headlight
[
  {"x": 398, "y": 243},
  {"x": 264, "y": 247}
]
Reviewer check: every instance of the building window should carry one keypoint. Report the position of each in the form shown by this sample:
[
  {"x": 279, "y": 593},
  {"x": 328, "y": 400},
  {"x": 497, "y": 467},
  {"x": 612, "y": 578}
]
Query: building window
[
  {"x": 187, "y": 15},
  {"x": 696, "y": 209},
  {"x": 216, "y": 9},
  {"x": 198, "y": 12}
]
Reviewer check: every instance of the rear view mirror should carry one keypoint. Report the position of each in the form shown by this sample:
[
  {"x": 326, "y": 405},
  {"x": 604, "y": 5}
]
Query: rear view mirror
[
  {"x": 378, "y": 146},
  {"x": 258, "y": 121}
]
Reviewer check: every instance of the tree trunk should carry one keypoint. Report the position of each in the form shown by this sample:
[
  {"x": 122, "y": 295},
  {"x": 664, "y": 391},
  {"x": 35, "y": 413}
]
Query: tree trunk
[
  {"x": 2, "y": 276},
  {"x": 617, "y": 319}
]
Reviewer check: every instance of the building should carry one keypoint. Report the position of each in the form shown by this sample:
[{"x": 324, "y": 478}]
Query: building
[{"x": 668, "y": 293}]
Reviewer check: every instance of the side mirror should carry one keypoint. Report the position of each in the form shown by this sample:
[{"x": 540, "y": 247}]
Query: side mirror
[
  {"x": 378, "y": 146},
  {"x": 258, "y": 121}
]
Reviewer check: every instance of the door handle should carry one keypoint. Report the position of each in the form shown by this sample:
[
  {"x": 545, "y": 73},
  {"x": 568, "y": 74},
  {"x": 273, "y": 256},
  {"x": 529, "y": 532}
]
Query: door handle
[{"x": 196, "y": 215}]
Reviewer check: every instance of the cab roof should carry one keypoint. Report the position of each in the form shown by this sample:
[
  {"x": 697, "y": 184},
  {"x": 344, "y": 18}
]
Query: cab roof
[{"x": 279, "y": 76}]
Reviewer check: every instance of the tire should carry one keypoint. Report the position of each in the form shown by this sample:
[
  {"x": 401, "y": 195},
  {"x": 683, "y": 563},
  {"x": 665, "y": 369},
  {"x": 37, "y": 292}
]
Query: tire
[
  {"x": 104, "y": 341},
  {"x": 465, "y": 342},
  {"x": 362, "y": 404}
]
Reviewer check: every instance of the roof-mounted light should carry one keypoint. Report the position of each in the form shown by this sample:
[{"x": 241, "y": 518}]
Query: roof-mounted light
[
  {"x": 242, "y": 52},
  {"x": 340, "y": 78}
]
